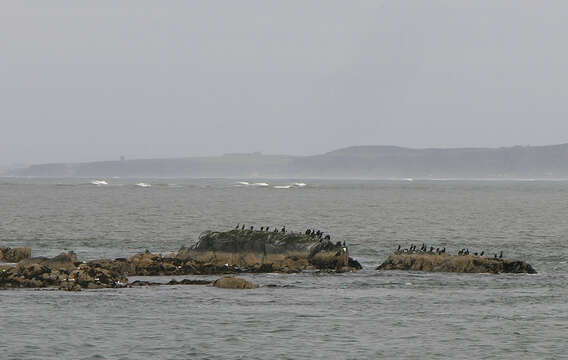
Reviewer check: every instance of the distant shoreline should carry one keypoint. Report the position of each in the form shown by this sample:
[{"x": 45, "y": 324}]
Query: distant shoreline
[{"x": 523, "y": 163}]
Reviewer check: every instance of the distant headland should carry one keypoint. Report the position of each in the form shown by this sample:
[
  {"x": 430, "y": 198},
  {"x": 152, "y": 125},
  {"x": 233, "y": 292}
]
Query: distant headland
[{"x": 374, "y": 162}]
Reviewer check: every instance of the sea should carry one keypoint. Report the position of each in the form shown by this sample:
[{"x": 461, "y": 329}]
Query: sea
[{"x": 367, "y": 314}]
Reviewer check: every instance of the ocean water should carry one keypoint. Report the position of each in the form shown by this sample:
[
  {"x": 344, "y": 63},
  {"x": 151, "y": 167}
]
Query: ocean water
[{"x": 361, "y": 315}]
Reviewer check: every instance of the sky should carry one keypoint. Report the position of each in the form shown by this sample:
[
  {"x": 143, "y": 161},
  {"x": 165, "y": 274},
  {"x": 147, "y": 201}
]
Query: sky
[{"x": 86, "y": 81}]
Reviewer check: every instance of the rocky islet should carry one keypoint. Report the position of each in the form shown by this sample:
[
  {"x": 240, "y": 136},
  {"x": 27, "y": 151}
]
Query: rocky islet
[{"x": 227, "y": 253}]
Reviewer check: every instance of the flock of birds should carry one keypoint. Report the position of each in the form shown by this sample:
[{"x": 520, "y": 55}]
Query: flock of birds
[
  {"x": 425, "y": 250},
  {"x": 310, "y": 232},
  {"x": 262, "y": 228}
]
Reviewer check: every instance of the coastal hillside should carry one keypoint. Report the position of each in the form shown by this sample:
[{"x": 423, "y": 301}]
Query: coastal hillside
[{"x": 352, "y": 162}]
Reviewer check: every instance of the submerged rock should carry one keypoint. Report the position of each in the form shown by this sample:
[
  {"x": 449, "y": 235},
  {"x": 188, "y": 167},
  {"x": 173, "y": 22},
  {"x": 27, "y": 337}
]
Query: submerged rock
[
  {"x": 454, "y": 263},
  {"x": 230, "y": 282},
  {"x": 14, "y": 255}
]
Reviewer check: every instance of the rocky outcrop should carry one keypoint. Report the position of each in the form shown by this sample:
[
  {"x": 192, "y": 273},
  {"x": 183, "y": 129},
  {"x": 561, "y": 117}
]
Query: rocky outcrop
[
  {"x": 13, "y": 255},
  {"x": 62, "y": 272},
  {"x": 454, "y": 263},
  {"x": 229, "y": 282},
  {"x": 261, "y": 251}
]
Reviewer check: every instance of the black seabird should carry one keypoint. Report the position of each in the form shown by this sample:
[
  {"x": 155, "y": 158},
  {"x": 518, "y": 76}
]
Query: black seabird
[
  {"x": 251, "y": 228},
  {"x": 308, "y": 232},
  {"x": 237, "y": 227},
  {"x": 343, "y": 242},
  {"x": 243, "y": 227},
  {"x": 267, "y": 228},
  {"x": 483, "y": 252},
  {"x": 328, "y": 237},
  {"x": 283, "y": 229},
  {"x": 431, "y": 249},
  {"x": 262, "y": 228},
  {"x": 444, "y": 250},
  {"x": 275, "y": 230},
  {"x": 398, "y": 248},
  {"x": 501, "y": 254}
]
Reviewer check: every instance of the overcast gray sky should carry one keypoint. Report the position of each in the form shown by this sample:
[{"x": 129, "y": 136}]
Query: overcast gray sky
[{"x": 82, "y": 81}]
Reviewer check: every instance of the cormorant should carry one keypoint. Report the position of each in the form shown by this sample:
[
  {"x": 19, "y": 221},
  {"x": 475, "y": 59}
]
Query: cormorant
[
  {"x": 237, "y": 227},
  {"x": 243, "y": 227},
  {"x": 267, "y": 228},
  {"x": 308, "y": 232},
  {"x": 398, "y": 248},
  {"x": 328, "y": 237},
  {"x": 495, "y": 256},
  {"x": 438, "y": 250},
  {"x": 431, "y": 249},
  {"x": 283, "y": 229},
  {"x": 483, "y": 252},
  {"x": 501, "y": 254},
  {"x": 444, "y": 250},
  {"x": 262, "y": 228},
  {"x": 343, "y": 242},
  {"x": 251, "y": 228},
  {"x": 275, "y": 229},
  {"x": 459, "y": 253},
  {"x": 475, "y": 253}
]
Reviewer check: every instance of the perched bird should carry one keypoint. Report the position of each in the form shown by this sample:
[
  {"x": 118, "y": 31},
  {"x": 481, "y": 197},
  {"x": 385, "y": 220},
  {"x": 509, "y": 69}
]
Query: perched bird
[
  {"x": 242, "y": 228},
  {"x": 267, "y": 228},
  {"x": 495, "y": 256},
  {"x": 251, "y": 228},
  {"x": 283, "y": 229},
  {"x": 237, "y": 227},
  {"x": 343, "y": 242},
  {"x": 398, "y": 248},
  {"x": 308, "y": 232},
  {"x": 475, "y": 253},
  {"x": 275, "y": 230},
  {"x": 501, "y": 254},
  {"x": 483, "y": 252},
  {"x": 444, "y": 250},
  {"x": 262, "y": 228},
  {"x": 431, "y": 249}
]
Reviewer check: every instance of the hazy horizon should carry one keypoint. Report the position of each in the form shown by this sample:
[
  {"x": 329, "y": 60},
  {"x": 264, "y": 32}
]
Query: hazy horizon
[{"x": 165, "y": 80}]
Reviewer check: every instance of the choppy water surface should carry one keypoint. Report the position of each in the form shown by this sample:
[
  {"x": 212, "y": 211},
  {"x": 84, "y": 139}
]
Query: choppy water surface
[{"x": 368, "y": 314}]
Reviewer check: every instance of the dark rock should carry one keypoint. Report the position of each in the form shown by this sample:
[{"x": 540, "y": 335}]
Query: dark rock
[
  {"x": 257, "y": 251},
  {"x": 189, "y": 282}
]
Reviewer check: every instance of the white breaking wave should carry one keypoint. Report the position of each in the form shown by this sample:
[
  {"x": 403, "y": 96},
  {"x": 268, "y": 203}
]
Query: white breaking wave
[
  {"x": 260, "y": 184},
  {"x": 282, "y": 186},
  {"x": 298, "y": 184},
  {"x": 99, "y": 182},
  {"x": 243, "y": 183},
  {"x": 141, "y": 184}
]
